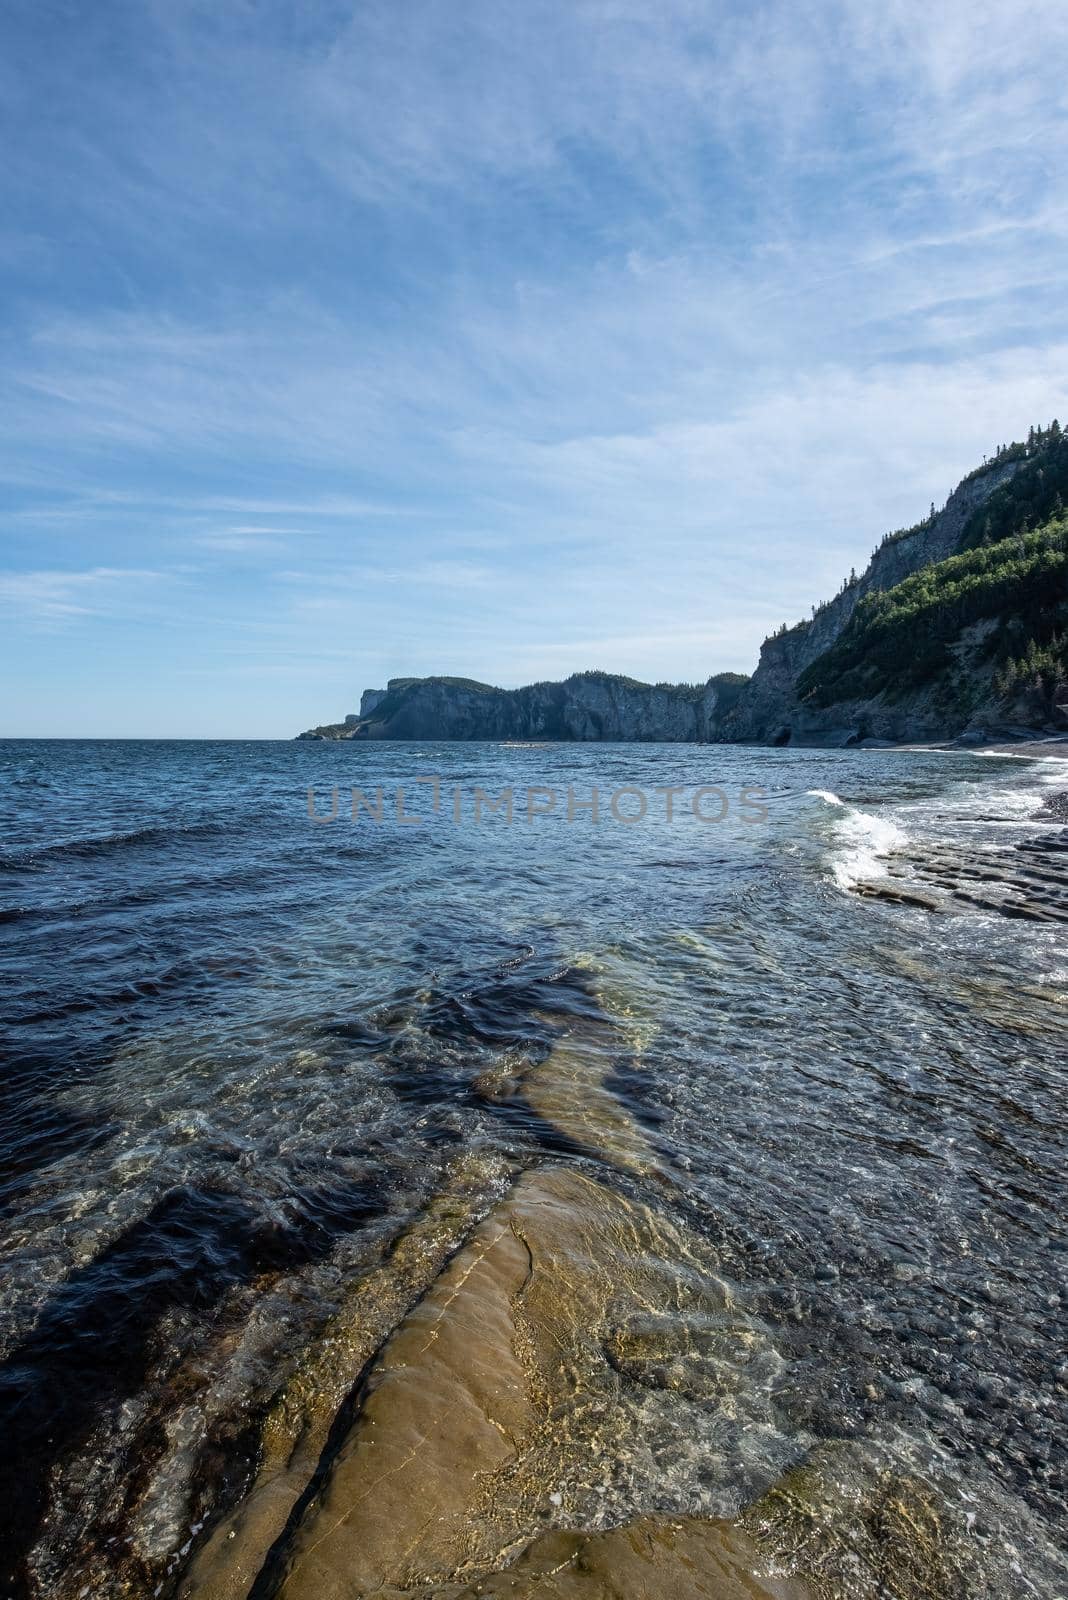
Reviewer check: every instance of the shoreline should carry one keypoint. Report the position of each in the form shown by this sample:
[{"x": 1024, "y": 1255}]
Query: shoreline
[
  {"x": 1053, "y": 749},
  {"x": 1040, "y": 750}
]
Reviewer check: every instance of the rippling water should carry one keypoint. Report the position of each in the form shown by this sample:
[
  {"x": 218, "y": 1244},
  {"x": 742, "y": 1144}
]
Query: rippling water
[{"x": 243, "y": 1051}]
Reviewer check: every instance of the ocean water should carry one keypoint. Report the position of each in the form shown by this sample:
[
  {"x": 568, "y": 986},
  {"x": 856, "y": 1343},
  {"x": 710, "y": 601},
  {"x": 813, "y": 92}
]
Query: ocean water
[{"x": 243, "y": 1049}]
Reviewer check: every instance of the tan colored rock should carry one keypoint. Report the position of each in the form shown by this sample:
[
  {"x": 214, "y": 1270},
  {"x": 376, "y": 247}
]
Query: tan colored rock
[
  {"x": 299, "y": 1421},
  {"x": 569, "y": 1090},
  {"x": 705, "y": 1356},
  {"x": 447, "y": 1405},
  {"x": 493, "y": 1408},
  {"x": 651, "y": 1558}
]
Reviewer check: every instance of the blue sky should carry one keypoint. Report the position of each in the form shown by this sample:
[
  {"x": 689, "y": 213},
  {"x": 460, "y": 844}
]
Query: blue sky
[{"x": 494, "y": 337}]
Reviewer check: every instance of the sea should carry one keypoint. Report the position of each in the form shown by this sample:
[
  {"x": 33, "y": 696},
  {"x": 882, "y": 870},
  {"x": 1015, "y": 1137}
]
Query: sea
[{"x": 809, "y": 1004}]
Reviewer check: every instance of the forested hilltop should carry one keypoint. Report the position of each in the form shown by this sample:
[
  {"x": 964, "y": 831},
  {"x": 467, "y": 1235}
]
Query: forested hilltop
[{"x": 957, "y": 627}]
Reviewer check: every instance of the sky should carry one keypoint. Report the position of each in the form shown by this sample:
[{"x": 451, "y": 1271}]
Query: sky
[{"x": 500, "y": 338}]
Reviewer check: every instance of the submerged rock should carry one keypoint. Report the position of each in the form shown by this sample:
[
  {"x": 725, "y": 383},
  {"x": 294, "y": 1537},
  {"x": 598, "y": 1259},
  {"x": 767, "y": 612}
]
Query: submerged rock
[
  {"x": 493, "y": 1410},
  {"x": 705, "y": 1357},
  {"x": 305, "y": 1408},
  {"x": 488, "y": 1432},
  {"x": 584, "y": 1088},
  {"x": 654, "y": 1558},
  {"x": 856, "y": 1524},
  {"x": 570, "y": 1090}
]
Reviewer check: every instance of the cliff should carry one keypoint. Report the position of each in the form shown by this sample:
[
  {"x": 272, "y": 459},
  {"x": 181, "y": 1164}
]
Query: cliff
[
  {"x": 994, "y": 664},
  {"x": 586, "y": 706},
  {"x": 977, "y": 639},
  {"x": 770, "y": 710}
]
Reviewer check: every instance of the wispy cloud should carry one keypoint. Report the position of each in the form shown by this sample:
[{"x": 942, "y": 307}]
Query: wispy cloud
[
  {"x": 55, "y": 597},
  {"x": 440, "y": 574},
  {"x": 344, "y": 506},
  {"x": 247, "y": 540}
]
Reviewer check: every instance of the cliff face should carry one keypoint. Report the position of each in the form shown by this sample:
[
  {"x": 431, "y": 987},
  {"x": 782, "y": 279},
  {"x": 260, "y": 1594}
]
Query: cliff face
[
  {"x": 769, "y": 710},
  {"x": 586, "y": 707},
  {"x": 966, "y": 702}
]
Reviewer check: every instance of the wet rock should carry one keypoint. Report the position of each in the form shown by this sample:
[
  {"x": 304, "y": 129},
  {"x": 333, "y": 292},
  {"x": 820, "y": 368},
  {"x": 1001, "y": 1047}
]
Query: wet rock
[
  {"x": 570, "y": 1089},
  {"x": 586, "y": 1090},
  {"x": 701, "y": 1356},
  {"x": 1054, "y": 808},
  {"x": 493, "y": 1409},
  {"x": 895, "y": 895},
  {"x": 655, "y": 1558},
  {"x": 853, "y": 1523},
  {"x": 299, "y": 1420},
  {"x": 1027, "y": 883}
]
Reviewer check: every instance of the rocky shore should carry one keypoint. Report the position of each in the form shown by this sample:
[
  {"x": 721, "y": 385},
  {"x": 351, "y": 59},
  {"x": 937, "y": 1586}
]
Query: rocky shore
[
  {"x": 475, "y": 1420},
  {"x": 1028, "y": 882},
  {"x": 492, "y": 1427}
]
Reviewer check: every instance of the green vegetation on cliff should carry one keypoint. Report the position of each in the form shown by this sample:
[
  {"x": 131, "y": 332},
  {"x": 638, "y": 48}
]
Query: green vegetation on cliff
[
  {"x": 1007, "y": 582},
  {"x": 1034, "y": 495},
  {"x": 728, "y": 687},
  {"x": 903, "y": 638},
  {"x": 400, "y": 688}
]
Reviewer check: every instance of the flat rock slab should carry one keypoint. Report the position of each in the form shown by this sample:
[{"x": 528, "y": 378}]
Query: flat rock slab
[
  {"x": 298, "y": 1423},
  {"x": 494, "y": 1403},
  {"x": 446, "y": 1406},
  {"x": 651, "y": 1558},
  {"x": 569, "y": 1090}
]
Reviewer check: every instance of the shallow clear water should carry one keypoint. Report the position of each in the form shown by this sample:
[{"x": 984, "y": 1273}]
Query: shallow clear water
[{"x": 242, "y": 1049}]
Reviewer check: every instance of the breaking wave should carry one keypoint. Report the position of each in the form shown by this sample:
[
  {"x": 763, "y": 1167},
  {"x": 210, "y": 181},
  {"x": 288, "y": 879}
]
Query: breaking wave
[{"x": 860, "y": 841}]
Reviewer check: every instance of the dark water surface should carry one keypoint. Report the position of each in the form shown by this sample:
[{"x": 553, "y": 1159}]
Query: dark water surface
[{"x": 242, "y": 1050}]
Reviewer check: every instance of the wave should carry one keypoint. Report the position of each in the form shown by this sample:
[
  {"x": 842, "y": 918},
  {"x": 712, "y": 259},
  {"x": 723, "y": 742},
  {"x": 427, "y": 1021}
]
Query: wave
[
  {"x": 26, "y": 913},
  {"x": 981, "y": 806},
  {"x": 861, "y": 841},
  {"x": 30, "y": 859},
  {"x": 1023, "y": 754}
]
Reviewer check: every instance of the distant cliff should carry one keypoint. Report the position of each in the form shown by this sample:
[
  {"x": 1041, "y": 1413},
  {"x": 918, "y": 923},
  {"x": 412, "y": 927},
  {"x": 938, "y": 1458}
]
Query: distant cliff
[{"x": 586, "y": 706}]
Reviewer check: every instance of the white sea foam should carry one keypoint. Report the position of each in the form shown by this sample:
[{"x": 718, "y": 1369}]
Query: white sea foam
[
  {"x": 860, "y": 841},
  {"x": 983, "y": 811},
  {"x": 975, "y": 811},
  {"x": 1046, "y": 772},
  {"x": 1023, "y": 754}
]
